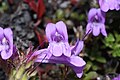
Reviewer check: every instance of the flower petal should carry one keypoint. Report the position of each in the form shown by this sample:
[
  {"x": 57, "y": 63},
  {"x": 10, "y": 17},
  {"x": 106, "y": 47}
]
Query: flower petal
[
  {"x": 96, "y": 29},
  {"x": 66, "y": 49},
  {"x": 9, "y": 36},
  {"x": 100, "y": 2},
  {"x": 50, "y": 31},
  {"x": 103, "y": 31},
  {"x": 77, "y": 61},
  {"x": 91, "y": 14},
  {"x": 43, "y": 55},
  {"x": 1, "y": 33},
  {"x": 112, "y": 4},
  {"x": 59, "y": 60},
  {"x": 62, "y": 29},
  {"x": 42, "y": 58},
  {"x": 78, "y": 47},
  {"x": 5, "y": 54},
  {"x": 104, "y": 6},
  {"x": 88, "y": 28},
  {"x": 57, "y": 50},
  {"x": 117, "y": 6},
  {"x": 79, "y": 74},
  {"x": 77, "y": 64},
  {"x": 1, "y": 48},
  {"x": 101, "y": 15},
  {"x": 51, "y": 59}
]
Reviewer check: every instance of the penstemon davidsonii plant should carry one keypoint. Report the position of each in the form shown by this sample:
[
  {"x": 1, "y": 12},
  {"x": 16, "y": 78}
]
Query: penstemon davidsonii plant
[{"x": 21, "y": 65}]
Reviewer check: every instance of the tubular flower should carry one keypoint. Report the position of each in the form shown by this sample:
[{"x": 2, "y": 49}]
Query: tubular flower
[
  {"x": 96, "y": 20},
  {"x": 105, "y": 5},
  {"x": 59, "y": 50},
  {"x": 6, "y": 43}
]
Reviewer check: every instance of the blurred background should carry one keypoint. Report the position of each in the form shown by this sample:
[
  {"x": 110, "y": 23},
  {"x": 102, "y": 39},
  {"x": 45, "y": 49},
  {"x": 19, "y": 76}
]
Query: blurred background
[{"x": 28, "y": 19}]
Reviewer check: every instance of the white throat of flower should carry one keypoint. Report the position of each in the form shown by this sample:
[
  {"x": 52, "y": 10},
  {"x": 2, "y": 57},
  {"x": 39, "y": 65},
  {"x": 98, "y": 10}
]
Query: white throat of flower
[
  {"x": 96, "y": 17},
  {"x": 4, "y": 44},
  {"x": 95, "y": 24}
]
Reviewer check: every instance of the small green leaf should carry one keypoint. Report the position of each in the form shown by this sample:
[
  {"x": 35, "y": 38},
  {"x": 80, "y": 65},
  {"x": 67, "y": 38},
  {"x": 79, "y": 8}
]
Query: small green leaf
[
  {"x": 91, "y": 75},
  {"x": 82, "y": 17},
  {"x": 75, "y": 15},
  {"x": 101, "y": 59},
  {"x": 24, "y": 77},
  {"x": 20, "y": 72},
  {"x": 60, "y": 14},
  {"x": 28, "y": 64},
  {"x": 88, "y": 66},
  {"x": 95, "y": 67},
  {"x": 110, "y": 38}
]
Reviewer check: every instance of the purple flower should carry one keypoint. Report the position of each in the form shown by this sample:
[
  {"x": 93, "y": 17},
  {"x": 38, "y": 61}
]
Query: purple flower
[
  {"x": 116, "y": 78},
  {"x": 96, "y": 20},
  {"x": 105, "y": 5},
  {"x": 6, "y": 43},
  {"x": 59, "y": 51}
]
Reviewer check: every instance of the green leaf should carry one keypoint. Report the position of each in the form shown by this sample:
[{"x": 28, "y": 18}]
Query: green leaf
[
  {"x": 88, "y": 66},
  {"x": 95, "y": 67},
  {"x": 4, "y": 6},
  {"x": 20, "y": 72},
  {"x": 116, "y": 52},
  {"x": 101, "y": 59},
  {"x": 28, "y": 64},
  {"x": 110, "y": 38},
  {"x": 75, "y": 15},
  {"x": 117, "y": 36},
  {"x": 25, "y": 77},
  {"x": 91, "y": 75},
  {"x": 82, "y": 17},
  {"x": 60, "y": 14}
]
